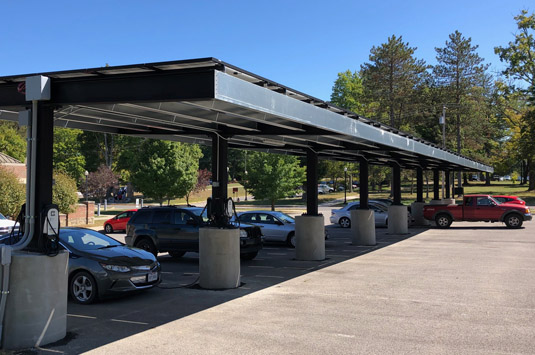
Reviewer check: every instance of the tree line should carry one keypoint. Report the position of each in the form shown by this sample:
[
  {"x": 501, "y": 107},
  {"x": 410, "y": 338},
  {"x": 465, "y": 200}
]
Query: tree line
[{"x": 488, "y": 118}]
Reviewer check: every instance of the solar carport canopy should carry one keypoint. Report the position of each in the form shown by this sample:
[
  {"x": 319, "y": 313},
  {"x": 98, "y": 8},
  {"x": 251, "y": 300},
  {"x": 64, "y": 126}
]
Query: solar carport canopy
[{"x": 191, "y": 100}]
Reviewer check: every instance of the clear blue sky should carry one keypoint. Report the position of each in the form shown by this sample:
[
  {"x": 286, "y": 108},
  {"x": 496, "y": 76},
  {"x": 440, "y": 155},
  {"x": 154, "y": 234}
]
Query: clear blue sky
[{"x": 300, "y": 44}]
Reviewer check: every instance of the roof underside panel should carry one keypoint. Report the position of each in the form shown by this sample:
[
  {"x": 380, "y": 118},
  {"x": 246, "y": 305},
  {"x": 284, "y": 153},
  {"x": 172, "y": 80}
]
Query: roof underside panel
[{"x": 190, "y": 101}]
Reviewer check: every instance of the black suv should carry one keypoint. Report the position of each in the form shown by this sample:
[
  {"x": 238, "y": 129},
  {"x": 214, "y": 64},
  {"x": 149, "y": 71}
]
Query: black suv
[{"x": 176, "y": 230}]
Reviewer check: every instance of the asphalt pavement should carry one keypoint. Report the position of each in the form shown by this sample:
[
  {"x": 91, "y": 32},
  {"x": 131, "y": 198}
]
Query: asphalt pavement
[{"x": 464, "y": 290}]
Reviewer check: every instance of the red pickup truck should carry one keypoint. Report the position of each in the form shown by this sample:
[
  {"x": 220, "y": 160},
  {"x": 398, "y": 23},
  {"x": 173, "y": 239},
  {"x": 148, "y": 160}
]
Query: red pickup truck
[{"x": 478, "y": 208}]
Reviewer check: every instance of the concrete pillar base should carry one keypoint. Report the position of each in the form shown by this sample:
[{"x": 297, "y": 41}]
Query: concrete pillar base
[
  {"x": 397, "y": 220},
  {"x": 36, "y": 308},
  {"x": 219, "y": 258},
  {"x": 309, "y": 238},
  {"x": 363, "y": 227},
  {"x": 417, "y": 211}
]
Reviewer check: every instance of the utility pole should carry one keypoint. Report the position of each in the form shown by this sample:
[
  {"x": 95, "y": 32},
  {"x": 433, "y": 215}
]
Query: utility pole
[{"x": 442, "y": 121}]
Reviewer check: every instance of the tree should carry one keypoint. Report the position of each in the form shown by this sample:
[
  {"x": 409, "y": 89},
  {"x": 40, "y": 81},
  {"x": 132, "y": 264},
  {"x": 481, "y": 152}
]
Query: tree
[
  {"x": 64, "y": 192},
  {"x": 203, "y": 180},
  {"x": 348, "y": 92},
  {"x": 520, "y": 56},
  {"x": 12, "y": 141},
  {"x": 390, "y": 79},
  {"x": 100, "y": 182},
  {"x": 460, "y": 72},
  {"x": 272, "y": 176},
  {"x": 67, "y": 156},
  {"x": 12, "y": 193},
  {"x": 165, "y": 170}
]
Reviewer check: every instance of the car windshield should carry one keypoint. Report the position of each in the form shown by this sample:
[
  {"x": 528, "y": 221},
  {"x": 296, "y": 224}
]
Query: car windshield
[
  {"x": 284, "y": 217},
  {"x": 2, "y": 216},
  {"x": 86, "y": 239}
]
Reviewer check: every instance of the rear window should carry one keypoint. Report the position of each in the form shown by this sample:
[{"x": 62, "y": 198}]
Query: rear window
[{"x": 142, "y": 217}]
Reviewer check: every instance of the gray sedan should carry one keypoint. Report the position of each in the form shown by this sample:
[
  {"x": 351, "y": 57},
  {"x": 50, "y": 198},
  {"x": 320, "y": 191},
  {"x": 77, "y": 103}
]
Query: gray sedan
[
  {"x": 100, "y": 266},
  {"x": 275, "y": 226}
]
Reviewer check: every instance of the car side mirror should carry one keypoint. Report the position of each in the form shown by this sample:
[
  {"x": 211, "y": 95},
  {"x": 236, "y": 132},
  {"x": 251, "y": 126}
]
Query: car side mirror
[{"x": 279, "y": 223}]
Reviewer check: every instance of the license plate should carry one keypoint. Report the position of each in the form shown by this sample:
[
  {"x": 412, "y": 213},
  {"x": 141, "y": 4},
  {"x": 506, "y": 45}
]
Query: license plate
[{"x": 153, "y": 276}]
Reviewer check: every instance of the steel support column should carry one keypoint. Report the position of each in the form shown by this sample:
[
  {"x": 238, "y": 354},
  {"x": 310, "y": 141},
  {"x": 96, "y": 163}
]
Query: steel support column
[
  {"x": 448, "y": 185},
  {"x": 364, "y": 190},
  {"x": 396, "y": 188},
  {"x": 219, "y": 176},
  {"x": 436, "y": 184},
  {"x": 312, "y": 183},
  {"x": 419, "y": 185},
  {"x": 43, "y": 169}
]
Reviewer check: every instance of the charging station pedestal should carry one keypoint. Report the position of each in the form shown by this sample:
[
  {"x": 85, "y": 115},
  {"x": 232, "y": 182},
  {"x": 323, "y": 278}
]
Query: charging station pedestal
[{"x": 36, "y": 308}]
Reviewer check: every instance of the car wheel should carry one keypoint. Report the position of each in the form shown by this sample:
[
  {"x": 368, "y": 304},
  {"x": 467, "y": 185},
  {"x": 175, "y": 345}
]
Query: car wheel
[
  {"x": 443, "y": 220},
  {"x": 513, "y": 221},
  {"x": 345, "y": 222},
  {"x": 249, "y": 256},
  {"x": 108, "y": 228},
  {"x": 291, "y": 240},
  {"x": 147, "y": 245},
  {"x": 177, "y": 254},
  {"x": 83, "y": 288}
]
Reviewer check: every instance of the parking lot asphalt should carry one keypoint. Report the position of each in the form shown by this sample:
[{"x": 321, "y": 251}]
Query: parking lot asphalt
[{"x": 464, "y": 290}]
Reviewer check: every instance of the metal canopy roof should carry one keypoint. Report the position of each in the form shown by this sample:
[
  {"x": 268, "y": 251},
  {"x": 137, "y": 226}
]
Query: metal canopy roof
[{"x": 191, "y": 100}]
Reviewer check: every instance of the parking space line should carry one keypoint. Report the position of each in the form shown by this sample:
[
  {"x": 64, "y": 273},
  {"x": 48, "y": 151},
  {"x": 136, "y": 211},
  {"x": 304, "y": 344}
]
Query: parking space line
[
  {"x": 50, "y": 350},
  {"x": 270, "y": 276},
  {"x": 81, "y": 316},
  {"x": 166, "y": 272},
  {"x": 128, "y": 321}
]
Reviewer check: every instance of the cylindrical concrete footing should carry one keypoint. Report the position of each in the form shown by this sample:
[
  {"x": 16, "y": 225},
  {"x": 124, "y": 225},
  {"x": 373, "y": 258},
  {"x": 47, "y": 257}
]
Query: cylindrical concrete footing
[
  {"x": 397, "y": 220},
  {"x": 417, "y": 211},
  {"x": 219, "y": 258},
  {"x": 309, "y": 238},
  {"x": 36, "y": 308},
  {"x": 363, "y": 227}
]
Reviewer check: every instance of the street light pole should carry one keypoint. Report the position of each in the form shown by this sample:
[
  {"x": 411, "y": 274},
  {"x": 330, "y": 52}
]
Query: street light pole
[
  {"x": 86, "y": 173},
  {"x": 345, "y": 185}
]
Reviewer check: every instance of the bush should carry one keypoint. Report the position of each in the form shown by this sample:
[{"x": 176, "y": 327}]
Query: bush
[
  {"x": 12, "y": 193},
  {"x": 64, "y": 193}
]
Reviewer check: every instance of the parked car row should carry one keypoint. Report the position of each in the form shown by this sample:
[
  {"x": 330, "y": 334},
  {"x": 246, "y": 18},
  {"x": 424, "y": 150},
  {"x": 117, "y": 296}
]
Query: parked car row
[{"x": 342, "y": 216}]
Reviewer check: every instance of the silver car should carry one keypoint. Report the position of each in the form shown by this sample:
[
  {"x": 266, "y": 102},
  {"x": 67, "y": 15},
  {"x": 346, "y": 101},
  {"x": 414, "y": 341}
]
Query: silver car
[
  {"x": 343, "y": 216},
  {"x": 275, "y": 226}
]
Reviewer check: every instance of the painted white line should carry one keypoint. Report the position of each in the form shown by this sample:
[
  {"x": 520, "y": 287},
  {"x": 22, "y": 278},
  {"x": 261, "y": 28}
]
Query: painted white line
[
  {"x": 166, "y": 272},
  {"x": 49, "y": 350},
  {"x": 80, "y": 316},
  {"x": 128, "y": 321},
  {"x": 270, "y": 276},
  {"x": 345, "y": 335}
]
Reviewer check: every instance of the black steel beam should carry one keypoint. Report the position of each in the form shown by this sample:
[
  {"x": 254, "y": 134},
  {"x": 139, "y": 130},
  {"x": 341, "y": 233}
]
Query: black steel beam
[
  {"x": 436, "y": 184},
  {"x": 448, "y": 183},
  {"x": 363, "y": 185},
  {"x": 396, "y": 184},
  {"x": 219, "y": 179},
  {"x": 139, "y": 87},
  {"x": 312, "y": 183},
  {"x": 419, "y": 185}
]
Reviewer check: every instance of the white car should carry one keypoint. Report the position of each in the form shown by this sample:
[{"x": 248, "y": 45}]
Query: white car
[
  {"x": 6, "y": 225},
  {"x": 275, "y": 226},
  {"x": 325, "y": 188},
  {"x": 343, "y": 216}
]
